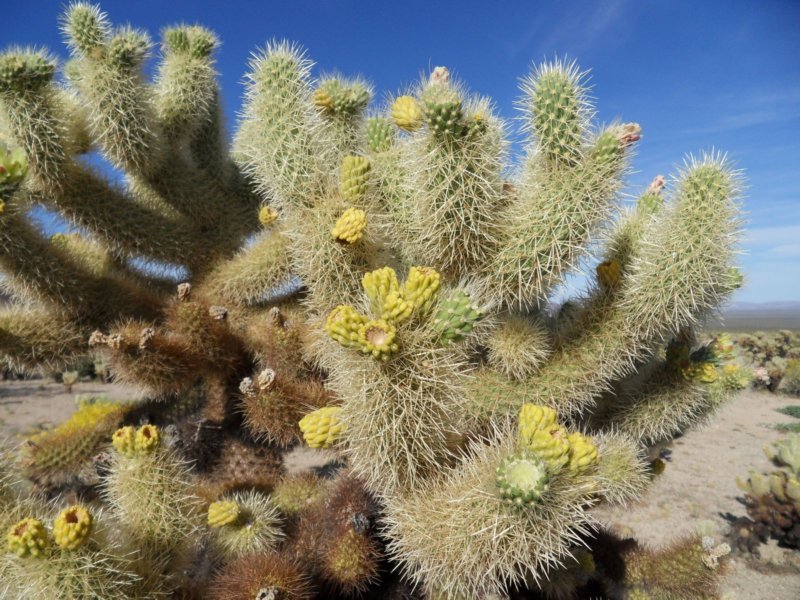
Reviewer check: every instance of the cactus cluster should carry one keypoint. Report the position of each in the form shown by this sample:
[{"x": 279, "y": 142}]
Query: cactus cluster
[
  {"x": 772, "y": 501},
  {"x": 373, "y": 280},
  {"x": 771, "y": 357}
]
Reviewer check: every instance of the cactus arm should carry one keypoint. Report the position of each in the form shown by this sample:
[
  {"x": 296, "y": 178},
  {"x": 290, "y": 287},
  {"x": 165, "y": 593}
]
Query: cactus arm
[
  {"x": 250, "y": 276},
  {"x": 51, "y": 275},
  {"x": 458, "y": 191},
  {"x": 33, "y": 338},
  {"x": 665, "y": 405},
  {"x": 281, "y": 137}
]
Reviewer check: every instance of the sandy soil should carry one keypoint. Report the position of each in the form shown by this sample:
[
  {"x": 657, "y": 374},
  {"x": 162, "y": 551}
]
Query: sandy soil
[
  {"x": 32, "y": 405},
  {"x": 697, "y": 488}
]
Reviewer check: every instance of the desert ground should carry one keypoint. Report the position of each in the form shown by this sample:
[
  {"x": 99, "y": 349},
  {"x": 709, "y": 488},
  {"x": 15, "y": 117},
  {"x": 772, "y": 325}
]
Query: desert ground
[{"x": 696, "y": 489}]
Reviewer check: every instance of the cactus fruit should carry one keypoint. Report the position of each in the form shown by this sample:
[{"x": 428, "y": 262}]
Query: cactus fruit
[
  {"x": 354, "y": 176},
  {"x": 267, "y": 215},
  {"x": 322, "y": 428},
  {"x": 522, "y": 479},
  {"x": 147, "y": 439},
  {"x": 124, "y": 440},
  {"x": 406, "y": 113},
  {"x": 72, "y": 527},
  {"x": 533, "y": 418},
  {"x": 350, "y": 226},
  {"x": 246, "y": 523},
  {"x": 27, "y": 538},
  {"x": 377, "y": 337},
  {"x": 552, "y": 445},
  {"x": 343, "y": 324},
  {"x": 456, "y": 317},
  {"x": 421, "y": 287},
  {"x": 582, "y": 452},
  {"x": 224, "y": 512}
]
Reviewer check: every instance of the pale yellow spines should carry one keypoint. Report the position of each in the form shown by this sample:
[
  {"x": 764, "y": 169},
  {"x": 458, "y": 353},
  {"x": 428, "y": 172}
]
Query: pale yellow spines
[
  {"x": 27, "y": 538},
  {"x": 582, "y": 452},
  {"x": 224, "y": 512},
  {"x": 321, "y": 428},
  {"x": 343, "y": 325},
  {"x": 407, "y": 113},
  {"x": 349, "y": 228},
  {"x": 72, "y": 527}
]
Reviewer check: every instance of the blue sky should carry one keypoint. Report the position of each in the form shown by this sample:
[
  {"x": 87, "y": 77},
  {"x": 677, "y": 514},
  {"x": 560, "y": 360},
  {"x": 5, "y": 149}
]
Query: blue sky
[{"x": 696, "y": 75}]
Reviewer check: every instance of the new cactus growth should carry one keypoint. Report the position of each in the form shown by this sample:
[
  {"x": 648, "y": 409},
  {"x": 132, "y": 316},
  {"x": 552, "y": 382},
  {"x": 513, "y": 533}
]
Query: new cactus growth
[
  {"x": 376, "y": 279},
  {"x": 522, "y": 479}
]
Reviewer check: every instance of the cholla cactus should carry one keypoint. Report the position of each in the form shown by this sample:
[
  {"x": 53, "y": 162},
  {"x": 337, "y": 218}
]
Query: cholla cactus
[{"x": 379, "y": 282}]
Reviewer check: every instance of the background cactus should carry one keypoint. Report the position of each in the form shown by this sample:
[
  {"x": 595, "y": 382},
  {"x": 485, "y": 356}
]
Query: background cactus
[{"x": 378, "y": 284}]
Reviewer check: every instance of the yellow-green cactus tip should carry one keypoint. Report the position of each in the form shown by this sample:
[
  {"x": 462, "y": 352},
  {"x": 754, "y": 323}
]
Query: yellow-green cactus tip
[
  {"x": 550, "y": 444},
  {"x": 27, "y": 538},
  {"x": 148, "y": 439},
  {"x": 72, "y": 527},
  {"x": 532, "y": 418},
  {"x": 582, "y": 452},
  {"x": 224, "y": 512},
  {"x": 407, "y": 113},
  {"x": 421, "y": 287},
  {"x": 343, "y": 324},
  {"x": 322, "y": 427},
  {"x": 267, "y": 215},
  {"x": 349, "y": 228},
  {"x": 124, "y": 440}
]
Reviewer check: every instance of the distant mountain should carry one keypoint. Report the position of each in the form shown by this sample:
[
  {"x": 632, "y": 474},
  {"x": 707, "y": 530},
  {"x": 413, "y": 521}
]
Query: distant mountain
[
  {"x": 789, "y": 306},
  {"x": 751, "y": 316}
]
